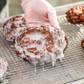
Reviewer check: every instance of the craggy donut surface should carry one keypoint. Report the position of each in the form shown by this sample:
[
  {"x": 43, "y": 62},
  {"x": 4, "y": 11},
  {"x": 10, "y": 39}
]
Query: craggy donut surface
[
  {"x": 82, "y": 43},
  {"x": 14, "y": 26},
  {"x": 41, "y": 44},
  {"x": 3, "y": 68},
  {"x": 76, "y": 15}
]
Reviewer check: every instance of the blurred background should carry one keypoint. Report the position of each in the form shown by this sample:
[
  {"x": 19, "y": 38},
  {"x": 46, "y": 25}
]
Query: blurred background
[{"x": 13, "y": 7}]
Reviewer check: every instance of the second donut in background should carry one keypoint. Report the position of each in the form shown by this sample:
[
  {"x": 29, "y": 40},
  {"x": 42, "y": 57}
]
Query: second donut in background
[{"x": 76, "y": 15}]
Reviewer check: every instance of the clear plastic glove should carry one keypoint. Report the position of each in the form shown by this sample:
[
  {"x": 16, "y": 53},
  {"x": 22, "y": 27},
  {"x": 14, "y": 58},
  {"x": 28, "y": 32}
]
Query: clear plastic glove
[{"x": 39, "y": 13}]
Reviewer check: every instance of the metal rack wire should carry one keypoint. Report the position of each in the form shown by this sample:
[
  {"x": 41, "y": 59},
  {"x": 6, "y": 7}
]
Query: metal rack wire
[{"x": 70, "y": 69}]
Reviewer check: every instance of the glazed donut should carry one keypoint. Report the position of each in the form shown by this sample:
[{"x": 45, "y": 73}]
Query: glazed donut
[
  {"x": 14, "y": 26},
  {"x": 76, "y": 15},
  {"x": 41, "y": 44},
  {"x": 3, "y": 68},
  {"x": 82, "y": 43}
]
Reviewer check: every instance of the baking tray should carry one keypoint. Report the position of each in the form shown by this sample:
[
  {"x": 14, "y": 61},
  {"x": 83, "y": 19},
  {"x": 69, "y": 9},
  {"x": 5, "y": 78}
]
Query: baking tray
[{"x": 70, "y": 69}]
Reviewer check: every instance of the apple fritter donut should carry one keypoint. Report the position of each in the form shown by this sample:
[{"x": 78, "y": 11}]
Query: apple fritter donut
[
  {"x": 41, "y": 44},
  {"x": 14, "y": 26},
  {"x": 76, "y": 15},
  {"x": 3, "y": 68}
]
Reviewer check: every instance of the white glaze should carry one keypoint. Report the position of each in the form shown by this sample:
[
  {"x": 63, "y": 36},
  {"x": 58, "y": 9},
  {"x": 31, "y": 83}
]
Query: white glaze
[
  {"x": 14, "y": 33},
  {"x": 3, "y": 67},
  {"x": 46, "y": 55}
]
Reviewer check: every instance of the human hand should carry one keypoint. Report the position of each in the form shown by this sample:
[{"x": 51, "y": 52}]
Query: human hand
[
  {"x": 39, "y": 13},
  {"x": 21, "y": 1}
]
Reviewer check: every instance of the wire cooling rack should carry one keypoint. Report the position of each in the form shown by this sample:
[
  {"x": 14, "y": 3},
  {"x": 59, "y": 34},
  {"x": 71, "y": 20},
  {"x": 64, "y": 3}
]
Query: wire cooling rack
[{"x": 70, "y": 69}]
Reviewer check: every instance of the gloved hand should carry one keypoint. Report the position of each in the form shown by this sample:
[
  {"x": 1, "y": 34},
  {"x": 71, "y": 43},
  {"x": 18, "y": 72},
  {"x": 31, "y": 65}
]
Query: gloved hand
[
  {"x": 21, "y": 1},
  {"x": 39, "y": 13}
]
